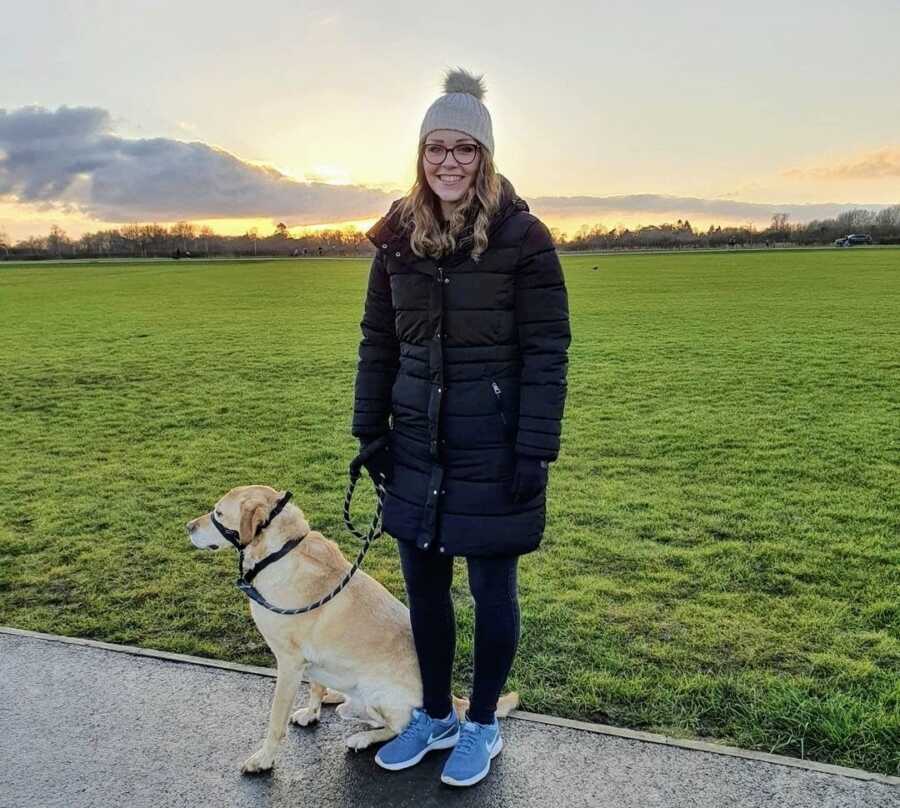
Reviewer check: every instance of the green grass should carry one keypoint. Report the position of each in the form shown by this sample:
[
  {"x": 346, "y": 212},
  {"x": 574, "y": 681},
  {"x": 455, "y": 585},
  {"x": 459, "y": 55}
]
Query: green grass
[{"x": 721, "y": 552}]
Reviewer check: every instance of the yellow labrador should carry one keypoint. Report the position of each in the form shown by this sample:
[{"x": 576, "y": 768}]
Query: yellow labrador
[{"x": 356, "y": 650}]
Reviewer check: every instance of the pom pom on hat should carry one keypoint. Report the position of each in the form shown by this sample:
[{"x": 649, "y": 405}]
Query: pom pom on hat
[{"x": 461, "y": 81}]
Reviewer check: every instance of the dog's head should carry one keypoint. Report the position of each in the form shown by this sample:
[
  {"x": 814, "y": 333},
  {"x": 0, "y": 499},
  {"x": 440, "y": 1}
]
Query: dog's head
[{"x": 243, "y": 510}]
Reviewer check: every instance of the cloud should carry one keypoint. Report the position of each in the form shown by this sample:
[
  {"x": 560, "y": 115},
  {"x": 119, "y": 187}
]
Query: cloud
[
  {"x": 684, "y": 206},
  {"x": 71, "y": 156},
  {"x": 875, "y": 165}
]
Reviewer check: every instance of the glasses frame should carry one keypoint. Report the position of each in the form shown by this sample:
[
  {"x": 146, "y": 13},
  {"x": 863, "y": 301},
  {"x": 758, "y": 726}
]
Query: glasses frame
[{"x": 452, "y": 151}]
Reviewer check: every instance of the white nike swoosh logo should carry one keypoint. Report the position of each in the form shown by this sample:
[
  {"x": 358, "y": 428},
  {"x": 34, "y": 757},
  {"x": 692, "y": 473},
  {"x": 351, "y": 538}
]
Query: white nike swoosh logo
[{"x": 449, "y": 731}]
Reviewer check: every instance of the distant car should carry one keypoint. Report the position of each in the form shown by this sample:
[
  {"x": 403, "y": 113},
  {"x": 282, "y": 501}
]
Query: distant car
[{"x": 853, "y": 238}]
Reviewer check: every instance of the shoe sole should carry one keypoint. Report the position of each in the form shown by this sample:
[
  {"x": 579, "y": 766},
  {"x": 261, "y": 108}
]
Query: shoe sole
[
  {"x": 443, "y": 743},
  {"x": 470, "y": 781}
]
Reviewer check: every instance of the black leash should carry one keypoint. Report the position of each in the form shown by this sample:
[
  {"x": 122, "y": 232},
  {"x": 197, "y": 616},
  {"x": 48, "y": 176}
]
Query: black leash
[{"x": 244, "y": 581}]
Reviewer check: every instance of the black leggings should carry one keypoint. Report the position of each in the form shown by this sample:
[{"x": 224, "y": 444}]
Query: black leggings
[{"x": 492, "y": 581}]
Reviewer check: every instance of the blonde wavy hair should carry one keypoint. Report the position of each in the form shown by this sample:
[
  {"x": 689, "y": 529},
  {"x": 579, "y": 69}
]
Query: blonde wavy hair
[{"x": 432, "y": 238}]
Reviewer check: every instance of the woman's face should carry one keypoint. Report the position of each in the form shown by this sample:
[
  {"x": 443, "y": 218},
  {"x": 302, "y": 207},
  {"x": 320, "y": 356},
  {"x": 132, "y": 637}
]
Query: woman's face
[{"x": 452, "y": 178}]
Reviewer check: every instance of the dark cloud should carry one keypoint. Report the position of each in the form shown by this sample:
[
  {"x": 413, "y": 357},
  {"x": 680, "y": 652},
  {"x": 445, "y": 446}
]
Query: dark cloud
[{"x": 71, "y": 156}]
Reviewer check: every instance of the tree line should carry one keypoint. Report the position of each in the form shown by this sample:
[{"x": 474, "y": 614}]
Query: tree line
[
  {"x": 186, "y": 240},
  {"x": 883, "y": 226}
]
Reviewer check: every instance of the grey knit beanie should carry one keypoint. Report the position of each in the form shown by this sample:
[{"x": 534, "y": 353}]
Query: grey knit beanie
[{"x": 460, "y": 108}]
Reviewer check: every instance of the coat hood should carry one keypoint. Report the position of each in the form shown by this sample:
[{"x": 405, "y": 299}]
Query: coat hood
[{"x": 386, "y": 233}]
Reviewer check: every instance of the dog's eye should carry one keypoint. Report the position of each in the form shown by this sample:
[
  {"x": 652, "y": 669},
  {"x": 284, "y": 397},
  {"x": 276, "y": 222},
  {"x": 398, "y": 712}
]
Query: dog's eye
[{"x": 219, "y": 514}]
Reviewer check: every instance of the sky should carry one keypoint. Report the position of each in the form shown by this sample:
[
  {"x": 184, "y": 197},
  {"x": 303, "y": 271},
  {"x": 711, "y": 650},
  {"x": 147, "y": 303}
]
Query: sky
[{"x": 308, "y": 113}]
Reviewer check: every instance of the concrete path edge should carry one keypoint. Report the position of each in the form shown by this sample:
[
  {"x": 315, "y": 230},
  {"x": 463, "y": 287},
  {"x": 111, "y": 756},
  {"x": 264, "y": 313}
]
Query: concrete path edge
[{"x": 522, "y": 715}]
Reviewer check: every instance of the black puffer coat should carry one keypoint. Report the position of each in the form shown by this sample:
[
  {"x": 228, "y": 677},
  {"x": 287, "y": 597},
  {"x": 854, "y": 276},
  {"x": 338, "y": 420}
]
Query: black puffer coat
[{"x": 464, "y": 365}]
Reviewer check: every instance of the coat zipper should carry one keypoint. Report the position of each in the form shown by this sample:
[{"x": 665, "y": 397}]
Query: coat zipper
[
  {"x": 499, "y": 395},
  {"x": 439, "y": 278}
]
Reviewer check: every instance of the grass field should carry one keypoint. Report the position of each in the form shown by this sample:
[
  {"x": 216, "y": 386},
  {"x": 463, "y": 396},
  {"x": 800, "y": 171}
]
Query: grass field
[{"x": 721, "y": 556}]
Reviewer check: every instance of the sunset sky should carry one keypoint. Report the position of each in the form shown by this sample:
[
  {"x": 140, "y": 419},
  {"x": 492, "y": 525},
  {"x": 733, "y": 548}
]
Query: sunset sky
[{"x": 309, "y": 112}]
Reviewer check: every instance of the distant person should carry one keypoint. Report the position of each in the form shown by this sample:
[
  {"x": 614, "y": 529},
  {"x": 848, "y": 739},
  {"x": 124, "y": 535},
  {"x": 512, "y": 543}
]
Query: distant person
[{"x": 462, "y": 379}]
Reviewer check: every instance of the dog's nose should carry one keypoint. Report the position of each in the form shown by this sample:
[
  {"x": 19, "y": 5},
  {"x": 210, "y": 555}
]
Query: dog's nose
[{"x": 189, "y": 527}]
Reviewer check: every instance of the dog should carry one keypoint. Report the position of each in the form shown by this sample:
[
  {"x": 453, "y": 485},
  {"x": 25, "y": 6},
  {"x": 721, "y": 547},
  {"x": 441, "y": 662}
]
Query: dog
[{"x": 356, "y": 651}]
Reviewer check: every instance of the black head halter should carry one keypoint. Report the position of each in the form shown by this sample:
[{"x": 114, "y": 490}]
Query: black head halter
[{"x": 234, "y": 537}]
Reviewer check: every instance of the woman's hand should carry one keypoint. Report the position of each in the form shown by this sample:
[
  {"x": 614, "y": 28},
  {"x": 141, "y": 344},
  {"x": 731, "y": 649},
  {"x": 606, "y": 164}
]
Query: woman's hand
[
  {"x": 529, "y": 478},
  {"x": 381, "y": 464}
]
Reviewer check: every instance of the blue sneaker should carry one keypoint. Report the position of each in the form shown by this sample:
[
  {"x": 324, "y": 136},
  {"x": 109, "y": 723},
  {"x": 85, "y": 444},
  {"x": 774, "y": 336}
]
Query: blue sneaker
[
  {"x": 471, "y": 760},
  {"x": 422, "y": 734}
]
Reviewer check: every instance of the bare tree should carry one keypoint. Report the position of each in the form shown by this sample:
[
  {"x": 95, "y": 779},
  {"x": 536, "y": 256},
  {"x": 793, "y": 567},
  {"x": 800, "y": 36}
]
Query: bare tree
[
  {"x": 154, "y": 236},
  {"x": 184, "y": 231},
  {"x": 206, "y": 233},
  {"x": 57, "y": 240},
  {"x": 559, "y": 238},
  {"x": 854, "y": 220},
  {"x": 780, "y": 221},
  {"x": 888, "y": 217},
  {"x": 134, "y": 233},
  {"x": 34, "y": 245}
]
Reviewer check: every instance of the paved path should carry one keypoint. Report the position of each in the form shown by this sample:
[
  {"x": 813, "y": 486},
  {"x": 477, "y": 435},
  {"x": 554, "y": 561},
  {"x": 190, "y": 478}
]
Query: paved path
[{"x": 86, "y": 726}]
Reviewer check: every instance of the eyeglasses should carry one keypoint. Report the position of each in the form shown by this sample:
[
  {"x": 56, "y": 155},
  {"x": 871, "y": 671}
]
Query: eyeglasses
[{"x": 464, "y": 153}]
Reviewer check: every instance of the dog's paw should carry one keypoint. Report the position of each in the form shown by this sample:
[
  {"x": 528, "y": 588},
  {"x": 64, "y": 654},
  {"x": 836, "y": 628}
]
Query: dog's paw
[
  {"x": 357, "y": 741},
  {"x": 260, "y": 762},
  {"x": 305, "y": 716}
]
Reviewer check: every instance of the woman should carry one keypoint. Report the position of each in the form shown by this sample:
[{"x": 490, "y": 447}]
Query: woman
[{"x": 462, "y": 380}]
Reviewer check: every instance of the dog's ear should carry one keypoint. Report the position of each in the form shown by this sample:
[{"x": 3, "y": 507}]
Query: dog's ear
[{"x": 253, "y": 514}]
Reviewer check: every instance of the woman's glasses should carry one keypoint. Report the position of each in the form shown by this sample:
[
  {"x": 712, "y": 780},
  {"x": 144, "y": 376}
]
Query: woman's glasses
[{"x": 464, "y": 153}]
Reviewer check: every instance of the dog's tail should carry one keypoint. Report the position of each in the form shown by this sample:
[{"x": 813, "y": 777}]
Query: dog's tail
[{"x": 505, "y": 705}]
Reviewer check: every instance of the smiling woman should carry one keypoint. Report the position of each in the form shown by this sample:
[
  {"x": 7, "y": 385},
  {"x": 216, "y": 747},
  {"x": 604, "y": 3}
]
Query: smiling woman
[{"x": 463, "y": 365}]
